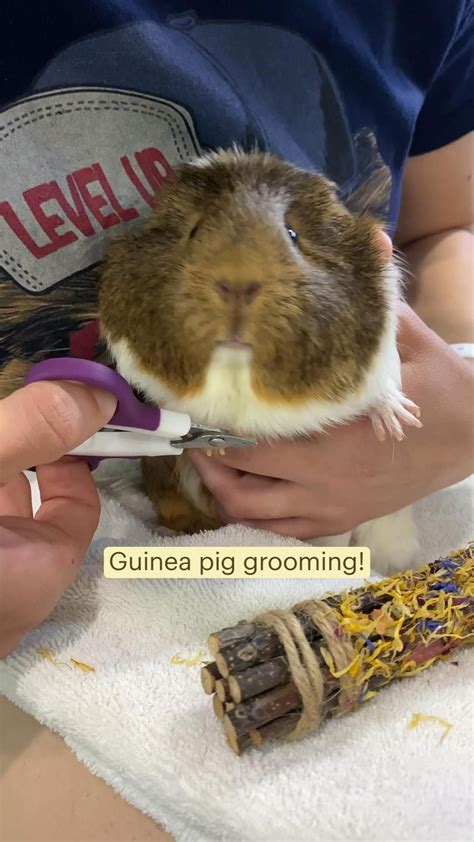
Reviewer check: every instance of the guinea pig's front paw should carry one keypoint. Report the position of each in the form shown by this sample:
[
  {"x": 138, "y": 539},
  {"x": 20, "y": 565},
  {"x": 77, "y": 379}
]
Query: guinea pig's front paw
[{"x": 392, "y": 414}]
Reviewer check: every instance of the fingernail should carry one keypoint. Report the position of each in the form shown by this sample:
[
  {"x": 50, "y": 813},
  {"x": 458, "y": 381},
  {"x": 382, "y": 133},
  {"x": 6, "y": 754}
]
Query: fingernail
[{"x": 107, "y": 402}]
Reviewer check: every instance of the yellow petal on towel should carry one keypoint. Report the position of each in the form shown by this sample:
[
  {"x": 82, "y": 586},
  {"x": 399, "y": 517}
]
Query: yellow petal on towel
[
  {"x": 193, "y": 662},
  {"x": 198, "y": 659},
  {"x": 418, "y": 718},
  {"x": 80, "y": 665},
  {"x": 45, "y": 653},
  {"x": 177, "y": 659}
]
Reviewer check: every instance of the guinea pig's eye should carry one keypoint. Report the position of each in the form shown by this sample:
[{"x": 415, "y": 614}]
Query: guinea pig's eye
[
  {"x": 293, "y": 235},
  {"x": 193, "y": 231}
]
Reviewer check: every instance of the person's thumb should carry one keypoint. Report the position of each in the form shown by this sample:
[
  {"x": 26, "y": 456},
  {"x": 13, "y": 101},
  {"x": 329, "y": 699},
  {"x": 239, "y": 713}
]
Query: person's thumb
[{"x": 43, "y": 421}]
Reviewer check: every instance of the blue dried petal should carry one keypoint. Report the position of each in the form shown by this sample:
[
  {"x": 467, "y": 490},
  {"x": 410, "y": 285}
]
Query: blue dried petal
[
  {"x": 448, "y": 563},
  {"x": 447, "y": 587},
  {"x": 368, "y": 643},
  {"x": 429, "y": 625}
]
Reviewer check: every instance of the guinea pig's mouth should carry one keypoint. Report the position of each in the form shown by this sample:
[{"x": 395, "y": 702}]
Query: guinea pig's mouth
[{"x": 234, "y": 342}]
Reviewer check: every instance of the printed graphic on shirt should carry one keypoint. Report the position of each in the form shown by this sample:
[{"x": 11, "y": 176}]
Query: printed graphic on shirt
[
  {"x": 83, "y": 162},
  {"x": 108, "y": 120}
]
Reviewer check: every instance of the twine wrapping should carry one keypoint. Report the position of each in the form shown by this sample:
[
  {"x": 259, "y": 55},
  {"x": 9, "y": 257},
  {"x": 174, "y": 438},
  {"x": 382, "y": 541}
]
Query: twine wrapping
[{"x": 305, "y": 666}]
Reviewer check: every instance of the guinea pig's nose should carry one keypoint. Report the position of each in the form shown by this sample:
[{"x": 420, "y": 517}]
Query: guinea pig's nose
[{"x": 230, "y": 291}]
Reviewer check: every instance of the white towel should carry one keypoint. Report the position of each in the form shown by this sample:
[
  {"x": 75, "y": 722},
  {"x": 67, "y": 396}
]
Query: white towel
[{"x": 145, "y": 726}]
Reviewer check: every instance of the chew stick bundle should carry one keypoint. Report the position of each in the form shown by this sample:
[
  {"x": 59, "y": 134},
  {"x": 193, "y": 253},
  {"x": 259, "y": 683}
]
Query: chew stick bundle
[{"x": 282, "y": 674}]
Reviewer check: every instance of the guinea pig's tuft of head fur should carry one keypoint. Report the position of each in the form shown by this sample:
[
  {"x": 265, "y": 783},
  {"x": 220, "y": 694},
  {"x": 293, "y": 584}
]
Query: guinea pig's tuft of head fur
[{"x": 250, "y": 258}]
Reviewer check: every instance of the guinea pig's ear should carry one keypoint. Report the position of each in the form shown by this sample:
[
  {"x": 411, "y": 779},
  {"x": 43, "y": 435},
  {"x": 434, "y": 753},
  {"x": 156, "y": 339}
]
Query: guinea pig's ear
[
  {"x": 383, "y": 243},
  {"x": 176, "y": 200}
]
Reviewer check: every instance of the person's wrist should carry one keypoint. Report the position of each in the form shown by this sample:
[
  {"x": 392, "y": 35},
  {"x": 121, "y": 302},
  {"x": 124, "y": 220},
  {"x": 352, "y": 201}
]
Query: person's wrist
[{"x": 442, "y": 382}]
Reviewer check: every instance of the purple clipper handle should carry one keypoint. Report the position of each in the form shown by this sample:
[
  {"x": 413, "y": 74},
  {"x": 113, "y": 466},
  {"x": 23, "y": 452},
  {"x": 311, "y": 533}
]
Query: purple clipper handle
[{"x": 130, "y": 412}]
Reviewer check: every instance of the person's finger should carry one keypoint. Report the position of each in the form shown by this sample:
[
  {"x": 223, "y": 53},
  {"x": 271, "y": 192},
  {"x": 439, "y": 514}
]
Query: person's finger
[
  {"x": 214, "y": 474},
  {"x": 301, "y": 459},
  {"x": 69, "y": 503},
  {"x": 277, "y": 460},
  {"x": 249, "y": 496},
  {"x": 42, "y": 421},
  {"x": 218, "y": 474},
  {"x": 15, "y": 498}
]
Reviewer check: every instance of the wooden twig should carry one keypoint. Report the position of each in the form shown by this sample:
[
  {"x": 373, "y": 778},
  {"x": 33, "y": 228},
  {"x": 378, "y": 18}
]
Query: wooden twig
[
  {"x": 222, "y": 690},
  {"x": 240, "y": 744},
  {"x": 221, "y": 708},
  {"x": 233, "y": 634},
  {"x": 275, "y": 730},
  {"x": 209, "y": 674},
  {"x": 247, "y": 683},
  {"x": 260, "y": 710}
]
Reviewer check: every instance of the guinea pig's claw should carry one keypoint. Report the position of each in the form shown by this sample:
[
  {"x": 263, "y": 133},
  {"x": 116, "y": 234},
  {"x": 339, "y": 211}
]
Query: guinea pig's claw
[
  {"x": 392, "y": 415},
  {"x": 409, "y": 412},
  {"x": 378, "y": 426}
]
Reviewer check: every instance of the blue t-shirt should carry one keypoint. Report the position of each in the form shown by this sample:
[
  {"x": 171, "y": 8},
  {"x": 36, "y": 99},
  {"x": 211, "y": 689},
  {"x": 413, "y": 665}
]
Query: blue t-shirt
[{"x": 102, "y": 98}]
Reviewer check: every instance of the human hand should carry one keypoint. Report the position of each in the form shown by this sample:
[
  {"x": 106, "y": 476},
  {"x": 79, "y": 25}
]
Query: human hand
[
  {"x": 330, "y": 483},
  {"x": 40, "y": 555}
]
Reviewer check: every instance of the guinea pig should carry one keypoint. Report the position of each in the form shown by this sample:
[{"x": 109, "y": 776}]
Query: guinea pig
[{"x": 255, "y": 301}]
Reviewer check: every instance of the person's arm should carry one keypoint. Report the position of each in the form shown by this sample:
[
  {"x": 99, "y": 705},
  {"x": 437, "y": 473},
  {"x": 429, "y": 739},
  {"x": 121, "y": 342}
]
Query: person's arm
[{"x": 436, "y": 235}]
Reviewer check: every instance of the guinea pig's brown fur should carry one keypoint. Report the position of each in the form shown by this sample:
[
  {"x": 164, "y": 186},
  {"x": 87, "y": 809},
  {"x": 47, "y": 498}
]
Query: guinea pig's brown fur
[{"x": 319, "y": 314}]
